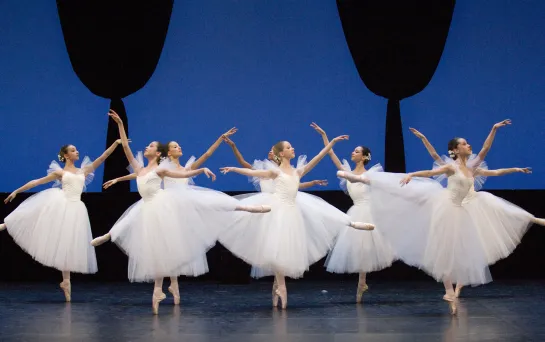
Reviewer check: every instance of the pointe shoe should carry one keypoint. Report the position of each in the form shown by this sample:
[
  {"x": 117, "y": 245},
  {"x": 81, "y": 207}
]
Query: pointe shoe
[
  {"x": 539, "y": 221},
  {"x": 274, "y": 295},
  {"x": 260, "y": 209},
  {"x": 282, "y": 292},
  {"x": 361, "y": 290},
  {"x": 100, "y": 240},
  {"x": 452, "y": 303},
  {"x": 155, "y": 300},
  {"x": 362, "y": 226},
  {"x": 175, "y": 291},
  {"x": 2, "y": 226},
  {"x": 67, "y": 289}
]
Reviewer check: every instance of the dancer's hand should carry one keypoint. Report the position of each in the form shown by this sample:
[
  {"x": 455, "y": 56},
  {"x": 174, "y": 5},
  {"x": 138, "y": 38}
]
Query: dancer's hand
[
  {"x": 228, "y": 141},
  {"x": 115, "y": 117},
  {"x": 226, "y": 170},
  {"x": 340, "y": 137},
  {"x": 118, "y": 141},
  {"x": 229, "y": 133},
  {"x": 417, "y": 133},
  {"x": 317, "y": 128},
  {"x": 320, "y": 182},
  {"x": 10, "y": 197},
  {"x": 109, "y": 183},
  {"x": 209, "y": 174},
  {"x": 525, "y": 170},
  {"x": 503, "y": 123},
  {"x": 406, "y": 180}
]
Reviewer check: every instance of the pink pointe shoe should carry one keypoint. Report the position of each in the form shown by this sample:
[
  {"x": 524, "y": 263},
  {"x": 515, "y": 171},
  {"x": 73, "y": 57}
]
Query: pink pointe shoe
[
  {"x": 451, "y": 299},
  {"x": 274, "y": 295},
  {"x": 362, "y": 226},
  {"x": 282, "y": 292},
  {"x": 362, "y": 288},
  {"x": 175, "y": 291},
  {"x": 155, "y": 300},
  {"x": 100, "y": 240},
  {"x": 66, "y": 287}
]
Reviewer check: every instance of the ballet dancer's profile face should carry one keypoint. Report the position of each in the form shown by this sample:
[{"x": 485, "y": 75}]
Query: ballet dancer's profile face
[
  {"x": 174, "y": 150},
  {"x": 463, "y": 149},
  {"x": 288, "y": 151},
  {"x": 151, "y": 150},
  {"x": 71, "y": 153},
  {"x": 357, "y": 155},
  {"x": 270, "y": 156}
]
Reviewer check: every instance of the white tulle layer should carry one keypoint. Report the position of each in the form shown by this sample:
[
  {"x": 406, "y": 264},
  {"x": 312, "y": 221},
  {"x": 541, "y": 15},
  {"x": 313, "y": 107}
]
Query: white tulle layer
[
  {"x": 500, "y": 224},
  {"x": 169, "y": 234},
  {"x": 288, "y": 239},
  {"x": 55, "y": 231},
  {"x": 429, "y": 231},
  {"x": 358, "y": 251}
]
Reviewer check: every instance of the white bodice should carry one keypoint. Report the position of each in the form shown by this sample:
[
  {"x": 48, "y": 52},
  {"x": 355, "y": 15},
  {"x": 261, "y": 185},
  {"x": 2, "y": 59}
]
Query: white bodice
[
  {"x": 286, "y": 187},
  {"x": 266, "y": 185},
  {"x": 459, "y": 186},
  {"x": 72, "y": 185},
  {"x": 359, "y": 192},
  {"x": 148, "y": 185},
  {"x": 172, "y": 182}
]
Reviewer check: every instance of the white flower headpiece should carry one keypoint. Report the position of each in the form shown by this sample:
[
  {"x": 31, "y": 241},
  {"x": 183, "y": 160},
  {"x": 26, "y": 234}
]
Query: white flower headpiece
[
  {"x": 451, "y": 154},
  {"x": 369, "y": 157}
]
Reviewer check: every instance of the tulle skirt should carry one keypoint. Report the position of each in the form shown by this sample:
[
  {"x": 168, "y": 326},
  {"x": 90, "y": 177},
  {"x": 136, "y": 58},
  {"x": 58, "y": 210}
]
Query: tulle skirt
[
  {"x": 500, "y": 224},
  {"x": 288, "y": 239},
  {"x": 169, "y": 234},
  {"x": 55, "y": 231},
  {"x": 358, "y": 251},
  {"x": 428, "y": 230}
]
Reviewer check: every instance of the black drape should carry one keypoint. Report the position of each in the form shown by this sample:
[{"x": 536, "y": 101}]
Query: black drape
[
  {"x": 396, "y": 46},
  {"x": 114, "y": 47}
]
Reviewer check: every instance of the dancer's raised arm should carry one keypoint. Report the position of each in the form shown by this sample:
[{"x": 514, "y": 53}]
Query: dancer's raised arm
[
  {"x": 446, "y": 169},
  {"x": 268, "y": 174},
  {"x": 431, "y": 150},
  {"x": 331, "y": 153},
  {"x": 236, "y": 152},
  {"x": 490, "y": 139},
  {"x": 186, "y": 174},
  {"x": 125, "y": 141},
  {"x": 197, "y": 164},
  {"x": 322, "y": 154},
  {"x": 97, "y": 162},
  {"x": 502, "y": 172},
  {"x": 119, "y": 179}
]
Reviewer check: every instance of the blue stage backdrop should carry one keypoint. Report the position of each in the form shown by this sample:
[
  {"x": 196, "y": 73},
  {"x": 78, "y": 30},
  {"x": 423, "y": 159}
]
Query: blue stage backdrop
[{"x": 270, "y": 68}]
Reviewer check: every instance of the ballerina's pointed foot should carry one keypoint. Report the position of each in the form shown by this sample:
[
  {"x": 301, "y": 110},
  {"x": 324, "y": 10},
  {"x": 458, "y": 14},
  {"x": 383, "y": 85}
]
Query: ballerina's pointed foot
[
  {"x": 362, "y": 226},
  {"x": 282, "y": 292},
  {"x": 539, "y": 221},
  {"x": 458, "y": 291},
  {"x": 451, "y": 299},
  {"x": 175, "y": 291},
  {"x": 274, "y": 295},
  {"x": 100, "y": 240},
  {"x": 158, "y": 296},
  {"x": 66, "y": 287},
  {"x": 2, "y": 226},
  {"x": 256, "y": 208},
  {"x": 362, "y": 288}
]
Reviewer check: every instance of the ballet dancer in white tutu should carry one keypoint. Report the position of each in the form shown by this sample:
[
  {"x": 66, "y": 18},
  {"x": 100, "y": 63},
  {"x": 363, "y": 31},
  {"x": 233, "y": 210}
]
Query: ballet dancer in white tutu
[
  {"x": 169, "y": 228},
  {"x": 502, "y": 224},
  {"x": 433, "y": 228},
  {"x": 207, "y": 197},
  {"x": 356, "y": 251},
  {"x": 53, "y": 225},
  {"x": 300, "y": 229},
  {"x": 265, "y": 185}
]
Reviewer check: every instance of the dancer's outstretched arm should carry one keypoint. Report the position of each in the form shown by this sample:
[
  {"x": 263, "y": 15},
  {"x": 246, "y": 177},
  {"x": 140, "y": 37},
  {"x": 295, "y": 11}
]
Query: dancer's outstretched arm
[
  {"x": 353, "y": 178},
  {"x": 310, "y": 184},
  {"x": 197, "y": 164},
  {"x": 431, "y": 150},
  {"x": 502, "y": 172},
  {"x": 34, "y": 183},
  {"x": 322, "y": 154},
  {"x": 446, "y": 169},
  {"x": 490, "y": 139},
  {"x": 125, "y": 141},
  {"x": 186, "y": 173},
  {"x": 331, "y": 153},
  {"x": 119, "y": 179},
  {"x": 97, "y": 162},
  {"x": 267, "y": 174},
  {"x": 237, "y": 153}
]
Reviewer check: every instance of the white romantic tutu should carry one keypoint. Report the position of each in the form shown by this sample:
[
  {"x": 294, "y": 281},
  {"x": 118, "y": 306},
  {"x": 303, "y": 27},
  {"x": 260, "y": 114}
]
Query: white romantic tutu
[
  {"x": 169, "y": 231},
  {"x": 428, "y": 230},
  {"x": 299, "y": 230},
  {"x": 358, "y": 251},
  {"x": 53, "y": 225}
]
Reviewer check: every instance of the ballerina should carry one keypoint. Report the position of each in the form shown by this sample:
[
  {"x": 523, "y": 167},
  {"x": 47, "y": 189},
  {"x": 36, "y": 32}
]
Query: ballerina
[
  {"x": 433, "y": 228},
  {"x": 53, "y": 225},
  {"x": 264, "y": 184},
  {"x": 300, "y": 229},
  {"x": 168, "y": 228},
  {"x": 173, "y": 152},
  {"x": 357, "y": 251},
  {"x": 499, "y": 235}
]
